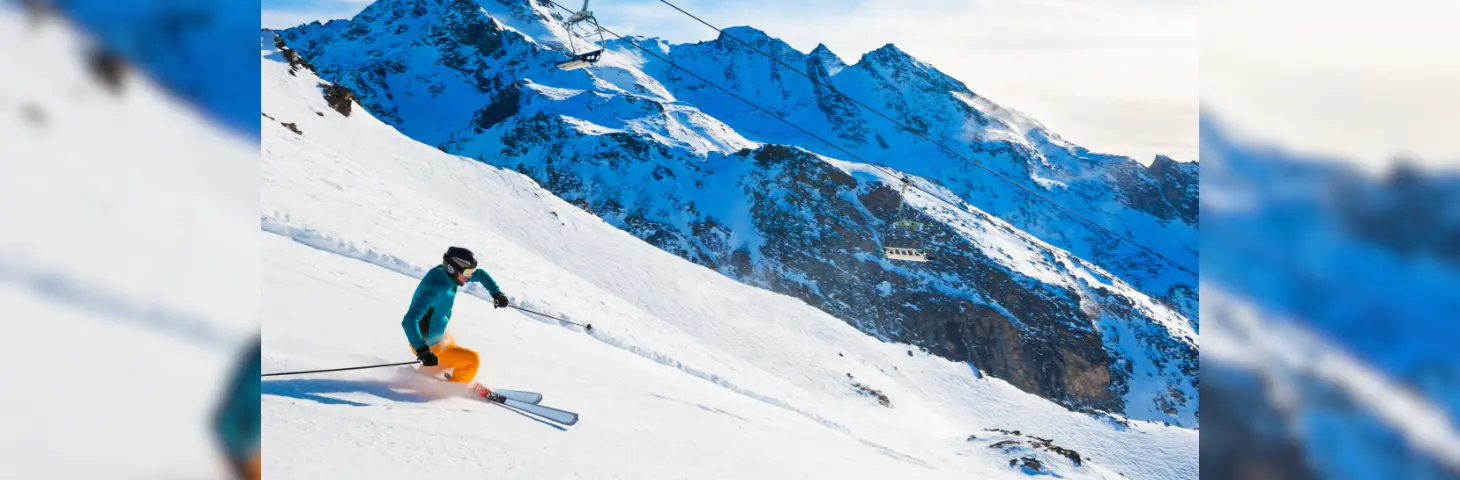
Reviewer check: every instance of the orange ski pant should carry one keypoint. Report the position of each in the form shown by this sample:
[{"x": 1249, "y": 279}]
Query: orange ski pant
[
  {"x": 461, "y": 363},
  {"x": 254, "y": 469}
]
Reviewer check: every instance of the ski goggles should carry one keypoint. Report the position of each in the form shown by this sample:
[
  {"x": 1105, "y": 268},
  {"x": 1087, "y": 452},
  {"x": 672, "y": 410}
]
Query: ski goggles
[{"x": 468, "y": 272}]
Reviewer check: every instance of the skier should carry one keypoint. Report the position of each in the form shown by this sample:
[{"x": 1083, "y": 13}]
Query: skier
[{"x": 430, "y": 311}]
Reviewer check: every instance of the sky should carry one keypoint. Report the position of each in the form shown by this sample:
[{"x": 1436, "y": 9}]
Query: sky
[
  {"x": 1114, "y": 76},
  {"x": 1360, "y": 81}
]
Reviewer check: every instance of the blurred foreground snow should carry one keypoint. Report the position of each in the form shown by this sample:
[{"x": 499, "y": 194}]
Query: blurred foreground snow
[{"x": 128, "y": 253}]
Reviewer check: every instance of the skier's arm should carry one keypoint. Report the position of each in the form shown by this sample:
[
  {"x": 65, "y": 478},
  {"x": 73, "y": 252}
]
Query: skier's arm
[
  {"x": 412, "y": 322},
  {"x": 485, "y": 279}
]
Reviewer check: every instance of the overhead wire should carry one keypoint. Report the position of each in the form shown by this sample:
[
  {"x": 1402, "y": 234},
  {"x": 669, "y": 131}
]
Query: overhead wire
[{"x": 903, "y": 178}]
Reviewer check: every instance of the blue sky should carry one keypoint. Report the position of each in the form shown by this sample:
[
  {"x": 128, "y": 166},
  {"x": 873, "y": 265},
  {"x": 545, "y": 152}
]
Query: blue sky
[{"x": 1117, "y": 76}]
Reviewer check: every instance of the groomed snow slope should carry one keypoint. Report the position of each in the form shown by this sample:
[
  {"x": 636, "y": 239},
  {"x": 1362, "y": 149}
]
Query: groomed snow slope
[{"x": 688, "y": 374}]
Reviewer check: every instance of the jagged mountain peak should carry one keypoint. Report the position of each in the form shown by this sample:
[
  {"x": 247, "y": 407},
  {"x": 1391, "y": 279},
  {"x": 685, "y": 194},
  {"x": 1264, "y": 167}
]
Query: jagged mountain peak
[
  {"x": 386, "y": 23},
  {"x": 827, "y": 58},
  {"x": 391, "y": 11},
  {"x": 730, "y": 40},
  {"x": 336, "y": 22},
  {"x": 887, "y": 54},
  {"x": 747, "y": 33},
  {"x": 1164, "y": 165},
  {"x": 902, "y": 68}
]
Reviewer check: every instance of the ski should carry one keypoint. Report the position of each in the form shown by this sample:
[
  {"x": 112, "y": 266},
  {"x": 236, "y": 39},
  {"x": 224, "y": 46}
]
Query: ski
[
  {"x": 561, "y": 416},
  {"x": 519, "y": 395},
  {"x": 557, "y": 415}
]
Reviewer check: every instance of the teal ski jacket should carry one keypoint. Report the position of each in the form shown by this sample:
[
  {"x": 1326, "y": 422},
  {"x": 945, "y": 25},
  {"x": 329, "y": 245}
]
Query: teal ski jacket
[
  {"x": 425, "y": 322},
  {"x": 236, "y": 419}
]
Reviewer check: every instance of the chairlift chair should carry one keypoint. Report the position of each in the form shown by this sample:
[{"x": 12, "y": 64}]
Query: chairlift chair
[
  {"x": 587, "y": 59},
  {"x": 907, "y": 254},
  {"x": 908, "y": 225},
  {"x": 581, "y": 61},
  {"x": 904, "y": 246}
]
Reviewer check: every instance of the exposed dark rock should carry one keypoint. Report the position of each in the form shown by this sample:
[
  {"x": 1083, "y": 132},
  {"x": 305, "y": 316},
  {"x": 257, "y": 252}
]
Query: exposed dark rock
[
  {"x": 1027, "y": 462},
  {"x": 292, "y": 127},
  {"x": 339, "y": 98},
  {"x": 870, "y": 392},
  {"x": 1166, "y": 189},
  {"x": 502, "y": 107},
  {"x": 1250, "y": 442},
  {"x": 1406, "y": 211},
  {"x": 1034, "y": 442},
  {"x": 107, "y": 67},
  {"x": 1047, "y": 444},
  {"x": 296, "y": 61},
  {"x": 1178, "y": 182}
]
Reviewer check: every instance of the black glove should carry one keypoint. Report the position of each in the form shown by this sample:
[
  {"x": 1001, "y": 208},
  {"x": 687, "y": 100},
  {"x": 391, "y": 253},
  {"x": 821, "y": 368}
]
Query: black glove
[
  {"x": 500, "y": 299},
  {"x": 427, "y": 358}
]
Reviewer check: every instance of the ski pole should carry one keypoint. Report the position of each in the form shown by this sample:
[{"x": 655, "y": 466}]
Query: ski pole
[
  {"x": 585, "y": 327},
  {"x": 340, "y": 369}
]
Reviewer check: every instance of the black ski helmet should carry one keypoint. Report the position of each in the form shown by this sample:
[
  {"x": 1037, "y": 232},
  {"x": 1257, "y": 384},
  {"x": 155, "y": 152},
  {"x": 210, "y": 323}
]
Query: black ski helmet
[{"x": 458, "y": 260}]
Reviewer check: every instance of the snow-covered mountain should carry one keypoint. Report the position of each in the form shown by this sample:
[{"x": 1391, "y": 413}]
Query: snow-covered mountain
[
  {"x": 1017, "y": 289},
  {"x": 1329, "y": 304},
  {"x": 686, "y": 374},
  {"x": 175, "y": 44}
]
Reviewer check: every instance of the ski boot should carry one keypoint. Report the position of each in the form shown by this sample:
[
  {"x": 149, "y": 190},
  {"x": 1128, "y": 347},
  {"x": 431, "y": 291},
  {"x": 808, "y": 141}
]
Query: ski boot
[{"x": 486, "y": 393}]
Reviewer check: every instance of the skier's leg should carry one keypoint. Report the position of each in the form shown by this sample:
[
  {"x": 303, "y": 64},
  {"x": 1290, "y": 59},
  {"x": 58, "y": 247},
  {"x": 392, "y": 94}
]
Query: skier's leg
[
  {"x": 255, "y": 468},
  {"x": 462, "y": 361}
]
